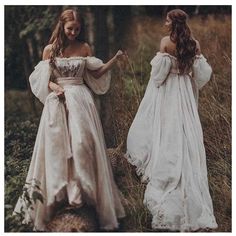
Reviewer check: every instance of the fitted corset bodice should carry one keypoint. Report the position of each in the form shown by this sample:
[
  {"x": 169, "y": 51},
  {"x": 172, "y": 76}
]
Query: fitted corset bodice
[{"x": 68, "y": 68}]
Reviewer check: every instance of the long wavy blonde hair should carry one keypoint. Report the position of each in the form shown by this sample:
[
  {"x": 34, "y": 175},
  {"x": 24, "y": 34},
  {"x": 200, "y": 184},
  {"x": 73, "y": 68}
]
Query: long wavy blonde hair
[
  {"x": 58, "y": 38},
  {"x": 182, "y": 36}
]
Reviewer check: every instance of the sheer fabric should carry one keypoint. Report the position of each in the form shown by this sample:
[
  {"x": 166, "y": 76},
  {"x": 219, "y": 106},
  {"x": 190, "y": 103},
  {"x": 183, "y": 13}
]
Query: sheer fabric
[{"x": 165, "y": 143}]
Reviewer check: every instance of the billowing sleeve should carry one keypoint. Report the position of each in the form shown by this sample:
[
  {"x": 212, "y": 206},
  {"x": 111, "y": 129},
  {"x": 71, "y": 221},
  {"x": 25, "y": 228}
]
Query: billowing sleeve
[
  {"x": 98, "y": 85},
  {"x": 161, "y": 65},
  {"x": 39, "y": 80},
  {"x": 201, "y": 71}
]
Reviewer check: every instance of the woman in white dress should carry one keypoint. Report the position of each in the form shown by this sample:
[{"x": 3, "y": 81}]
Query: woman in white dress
[
  {"x": 69, "y": 160},
  {"x": 165, "y": 140}
]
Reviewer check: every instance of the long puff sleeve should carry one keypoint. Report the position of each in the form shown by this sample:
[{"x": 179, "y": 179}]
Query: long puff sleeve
[
  {"x": 98, "y": 85},
  {"x": 39, "y": 80},
  {"x": 201, "y": 71},
  {"x": 161, "y": 65}
]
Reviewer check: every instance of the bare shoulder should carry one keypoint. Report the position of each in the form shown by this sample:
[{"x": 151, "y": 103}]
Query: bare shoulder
[
  {"x": 165, "y": 42},
  {"x": 46, "y": 51},
  {"x": 85, "y": 47},
  {"x": 198, "y": 48},
  {"x": 166, "y": 38}
]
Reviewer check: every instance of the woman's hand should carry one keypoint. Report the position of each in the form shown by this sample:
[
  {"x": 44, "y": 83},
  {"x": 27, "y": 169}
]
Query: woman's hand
[
  {"x": 103, "y": 69},
  {"x": 57, "y": 89},
  {"x": 120, "y": 55},
  {"x": 60, "y": 92}
]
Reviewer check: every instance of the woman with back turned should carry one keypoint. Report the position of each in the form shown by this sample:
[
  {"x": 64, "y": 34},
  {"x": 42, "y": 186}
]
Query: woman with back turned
[{"x": 165, "y": 140}]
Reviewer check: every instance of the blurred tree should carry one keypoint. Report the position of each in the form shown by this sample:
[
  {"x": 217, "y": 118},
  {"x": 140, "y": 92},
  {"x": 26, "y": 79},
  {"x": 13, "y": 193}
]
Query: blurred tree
[
  {"x": 102, "y": 51},
  {"x": 101, "y": 32},
  {"x": 28, "y": 33},
  {"x": 121, "y": 18}
]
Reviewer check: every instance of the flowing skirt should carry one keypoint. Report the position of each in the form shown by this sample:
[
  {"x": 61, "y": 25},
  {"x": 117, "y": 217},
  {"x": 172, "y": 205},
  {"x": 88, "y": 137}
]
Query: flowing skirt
[
  {"x": 165, "y": 143},
  {"x": 69, "y": 161}
]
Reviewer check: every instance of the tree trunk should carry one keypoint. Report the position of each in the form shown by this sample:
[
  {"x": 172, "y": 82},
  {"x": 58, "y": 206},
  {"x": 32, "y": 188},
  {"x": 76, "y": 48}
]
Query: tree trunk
[
  {"x": 27, "y": 68},
  {"x": 102, "y": 52},
  {"x": 101, "y": 33},
  {"x": 121, "y": 19}
]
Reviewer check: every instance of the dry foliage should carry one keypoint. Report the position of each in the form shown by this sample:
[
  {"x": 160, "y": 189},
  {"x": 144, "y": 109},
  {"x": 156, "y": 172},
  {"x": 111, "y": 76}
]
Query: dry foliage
[{"x": 130, "y": 80}]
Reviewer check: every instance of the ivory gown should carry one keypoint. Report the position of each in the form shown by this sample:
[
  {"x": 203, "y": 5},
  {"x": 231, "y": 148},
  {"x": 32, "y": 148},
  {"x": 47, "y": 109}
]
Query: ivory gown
[
  {"x": 69, "y": 157},
  {"x": 165, "y": 143}
]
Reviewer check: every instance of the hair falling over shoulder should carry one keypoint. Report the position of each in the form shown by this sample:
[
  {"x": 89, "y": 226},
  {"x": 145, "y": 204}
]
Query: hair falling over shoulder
[
  {"x": 58, "y": 38},
  {"x": 181, "y": 35}
]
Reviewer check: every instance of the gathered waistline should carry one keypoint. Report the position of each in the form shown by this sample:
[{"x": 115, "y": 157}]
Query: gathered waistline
[
  {"x": 70, "y": 80},
  {"x": 176, "y": 71}
]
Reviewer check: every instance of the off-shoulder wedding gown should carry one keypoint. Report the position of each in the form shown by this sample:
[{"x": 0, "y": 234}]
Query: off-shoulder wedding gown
[
  {"x": 69, "y": 160},
  {"x": 165, "y": 143}
]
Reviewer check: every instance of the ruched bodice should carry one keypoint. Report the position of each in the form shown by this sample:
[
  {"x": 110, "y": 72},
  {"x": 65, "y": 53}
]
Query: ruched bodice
[{"x": 69, "y": 67}]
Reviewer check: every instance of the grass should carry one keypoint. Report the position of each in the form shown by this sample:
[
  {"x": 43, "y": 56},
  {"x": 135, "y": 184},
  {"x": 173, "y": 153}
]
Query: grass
[
  {"x": 214, "y": 35},
  {"x": 128, "y": 86}
]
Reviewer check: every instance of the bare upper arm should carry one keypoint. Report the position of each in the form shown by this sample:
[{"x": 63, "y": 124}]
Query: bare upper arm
[
  {"x": 198, "y": 48},
  {"x": 46, "y": 52}
]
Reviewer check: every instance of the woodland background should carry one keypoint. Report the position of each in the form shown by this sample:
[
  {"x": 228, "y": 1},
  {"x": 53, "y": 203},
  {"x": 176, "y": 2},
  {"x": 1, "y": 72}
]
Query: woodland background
[{"x": 138, "y": 30}]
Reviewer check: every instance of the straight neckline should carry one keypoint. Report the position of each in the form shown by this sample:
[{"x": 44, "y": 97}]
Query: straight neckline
[
  {"x": 69, "y": 58},
  {"x": 73, "y": 57}
]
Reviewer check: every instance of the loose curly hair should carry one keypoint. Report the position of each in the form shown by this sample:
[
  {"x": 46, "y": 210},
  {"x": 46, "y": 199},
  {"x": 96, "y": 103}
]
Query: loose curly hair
[
  {"x": 181, "y": 35},
  {"x": 58, "y": 38}
]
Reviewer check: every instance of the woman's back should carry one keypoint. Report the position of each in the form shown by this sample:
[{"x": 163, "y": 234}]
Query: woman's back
[{"x": 169, "y": 46}]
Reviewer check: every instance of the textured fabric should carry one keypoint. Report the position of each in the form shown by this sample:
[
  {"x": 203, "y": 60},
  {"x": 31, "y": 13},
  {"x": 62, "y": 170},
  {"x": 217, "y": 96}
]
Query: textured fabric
[
  {"x": 165, "y": 143},
  {"x": 69, "y": 158}
]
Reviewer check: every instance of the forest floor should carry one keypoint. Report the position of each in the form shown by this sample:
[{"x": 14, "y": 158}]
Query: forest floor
[{"x": 128, "y": 86}]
